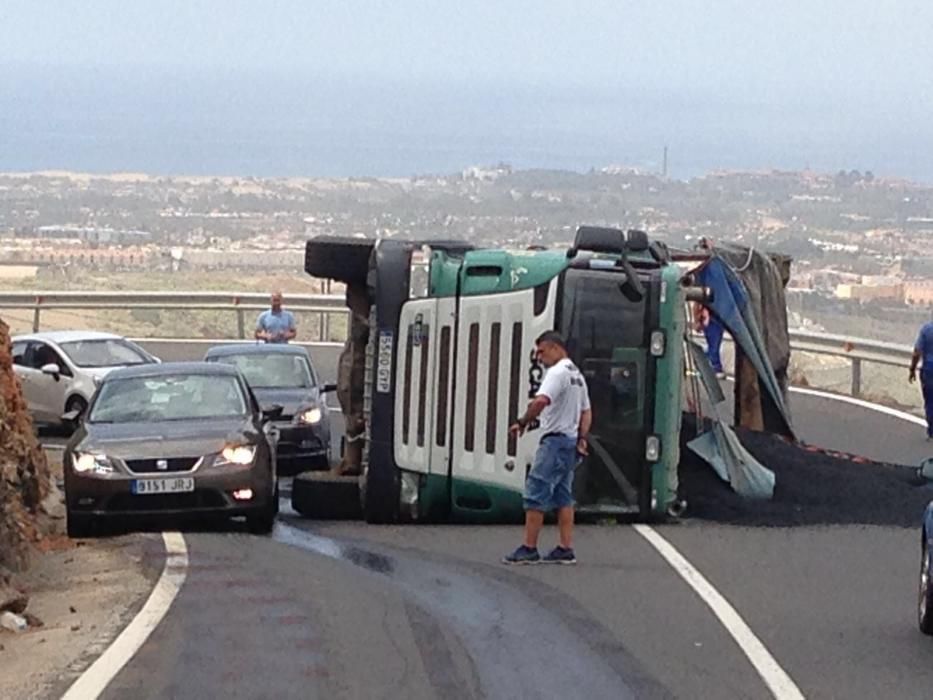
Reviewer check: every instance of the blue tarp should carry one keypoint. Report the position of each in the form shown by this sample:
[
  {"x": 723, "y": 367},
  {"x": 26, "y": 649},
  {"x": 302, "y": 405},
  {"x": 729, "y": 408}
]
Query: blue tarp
[
  {"x": 721, "y": 448},
  {"x": 731, "y": 306}
]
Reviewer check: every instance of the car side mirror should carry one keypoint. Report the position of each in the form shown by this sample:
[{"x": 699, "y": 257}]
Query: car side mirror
[
  {"x": 327, "y": 388},
  {"x": 52, "y": 369},
  {"x": 273, "y": 412}
]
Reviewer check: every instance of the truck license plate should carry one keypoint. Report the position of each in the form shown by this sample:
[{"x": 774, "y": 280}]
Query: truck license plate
[{"x": 146, "y": 487}]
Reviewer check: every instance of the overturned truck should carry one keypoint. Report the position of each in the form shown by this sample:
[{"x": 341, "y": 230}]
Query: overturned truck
[{"x": 440, "y": 361}]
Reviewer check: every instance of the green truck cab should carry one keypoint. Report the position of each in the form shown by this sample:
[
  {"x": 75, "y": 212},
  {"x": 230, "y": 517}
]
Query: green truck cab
[{"x": 450, "y": 364}]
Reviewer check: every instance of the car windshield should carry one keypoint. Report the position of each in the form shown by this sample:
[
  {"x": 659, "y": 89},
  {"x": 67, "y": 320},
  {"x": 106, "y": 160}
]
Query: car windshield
[
  {"x": 107, "y": 352},
  {"x": 272, "y": 371},
  {"x": 168, "y": 398}
]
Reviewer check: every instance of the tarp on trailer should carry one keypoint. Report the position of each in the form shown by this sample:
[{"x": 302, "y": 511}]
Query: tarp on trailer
[
  {"x": 765, "y": 344},
  {"x": 720, "y": 447}
]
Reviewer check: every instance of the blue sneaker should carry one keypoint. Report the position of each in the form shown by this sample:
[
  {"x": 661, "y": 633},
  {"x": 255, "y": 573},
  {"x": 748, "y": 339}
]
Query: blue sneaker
[
  {"x": 560, "y": 555},
  {"x": 523, "y": 555}
]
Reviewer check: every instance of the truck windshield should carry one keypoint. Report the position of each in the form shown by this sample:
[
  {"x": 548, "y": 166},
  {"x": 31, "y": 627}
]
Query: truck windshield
[
  {"x": 596, "y": 317},
  {"x": 607, "y": 338}
]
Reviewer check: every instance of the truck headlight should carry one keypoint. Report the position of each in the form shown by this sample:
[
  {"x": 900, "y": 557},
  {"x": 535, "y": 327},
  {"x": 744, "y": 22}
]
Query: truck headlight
[
  {"x": 88, "y": 463},
  {"x": 237, "y": 454},
  {"x": 658, "y": 343},
  {"x": 653, "y": 448},
  {"x": 311, "y": 416}
]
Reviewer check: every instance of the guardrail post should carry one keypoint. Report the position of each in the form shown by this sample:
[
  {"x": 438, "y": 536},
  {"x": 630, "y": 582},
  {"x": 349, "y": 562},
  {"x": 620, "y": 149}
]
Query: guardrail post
[
  {"x": 35, "y": 315},
  {"x": 240, "y": 319},
  {"x": 856, "y": 376},
  {"x": 325, "y": 326}
]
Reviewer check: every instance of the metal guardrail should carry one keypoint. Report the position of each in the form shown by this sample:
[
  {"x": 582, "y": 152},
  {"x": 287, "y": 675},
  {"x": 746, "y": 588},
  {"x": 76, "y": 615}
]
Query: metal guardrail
[
  {"x": 856, "y": 350},
  {"x": 239, "y": 303}
]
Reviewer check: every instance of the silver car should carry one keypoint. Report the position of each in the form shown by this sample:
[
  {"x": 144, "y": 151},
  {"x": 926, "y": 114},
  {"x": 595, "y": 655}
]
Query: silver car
[{"x": 60, "y": 370}]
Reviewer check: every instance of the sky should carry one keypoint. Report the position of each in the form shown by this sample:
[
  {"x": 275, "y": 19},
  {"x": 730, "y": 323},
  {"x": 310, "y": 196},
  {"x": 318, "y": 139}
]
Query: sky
[{"x": 759, "y": 83}]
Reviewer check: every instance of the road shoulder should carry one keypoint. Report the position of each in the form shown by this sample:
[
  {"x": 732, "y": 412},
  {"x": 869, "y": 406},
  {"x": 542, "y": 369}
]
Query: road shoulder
[{"x": 84, "y": 593}]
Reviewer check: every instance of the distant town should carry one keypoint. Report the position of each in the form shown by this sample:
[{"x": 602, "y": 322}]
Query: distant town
[{"x": 859, "y": 242}]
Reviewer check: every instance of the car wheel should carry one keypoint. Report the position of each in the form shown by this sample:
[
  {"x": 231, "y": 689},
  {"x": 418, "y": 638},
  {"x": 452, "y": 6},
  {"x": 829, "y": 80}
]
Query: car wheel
[
  {"x": 925, "y": 597},
  {"x": 76, "y": 403},
  {"x": 79, "y": 526},
  {"x": 263, "y": 521}
]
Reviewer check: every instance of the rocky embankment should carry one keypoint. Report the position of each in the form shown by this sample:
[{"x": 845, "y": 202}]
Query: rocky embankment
[{"x": 30, "y": 504}]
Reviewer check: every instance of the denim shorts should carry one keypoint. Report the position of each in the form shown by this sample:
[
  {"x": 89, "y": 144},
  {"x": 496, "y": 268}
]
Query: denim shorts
[{"x": 549, "y": 484}]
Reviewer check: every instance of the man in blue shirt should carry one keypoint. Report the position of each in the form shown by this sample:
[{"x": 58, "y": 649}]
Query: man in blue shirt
[
  {"x": 923, "y": 350},
  {"x": 275, "y": 325}
]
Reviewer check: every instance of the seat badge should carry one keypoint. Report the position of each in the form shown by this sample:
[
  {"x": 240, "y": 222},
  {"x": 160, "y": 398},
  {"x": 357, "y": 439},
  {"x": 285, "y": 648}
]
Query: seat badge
[{"x": 162, "y": 465}]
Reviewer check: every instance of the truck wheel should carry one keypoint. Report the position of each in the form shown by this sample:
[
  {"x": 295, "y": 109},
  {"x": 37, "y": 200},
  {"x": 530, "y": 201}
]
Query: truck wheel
[
  {"x": 326, "y": 496},
  {"x": 341, "y": 258},
  {"x": 379, "y": 499},
  {"x": 79, "y": 526},
  {"x": 925, "y": 597}
]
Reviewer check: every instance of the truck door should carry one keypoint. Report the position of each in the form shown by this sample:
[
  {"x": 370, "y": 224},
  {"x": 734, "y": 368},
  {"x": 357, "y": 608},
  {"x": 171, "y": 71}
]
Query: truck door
[{"x": 608, "y": 335}]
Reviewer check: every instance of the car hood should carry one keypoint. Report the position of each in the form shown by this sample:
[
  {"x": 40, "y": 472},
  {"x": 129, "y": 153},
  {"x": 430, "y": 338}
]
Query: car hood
[
  {"x": 101, "y": 372},
  {"x": 165, "y": 439},
  {"x": 97, "y": 372},
  {"x": 289, "y": 399}
]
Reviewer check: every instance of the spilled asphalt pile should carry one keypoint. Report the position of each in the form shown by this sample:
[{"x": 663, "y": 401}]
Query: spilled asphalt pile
[{"x": 812, "y": 487}]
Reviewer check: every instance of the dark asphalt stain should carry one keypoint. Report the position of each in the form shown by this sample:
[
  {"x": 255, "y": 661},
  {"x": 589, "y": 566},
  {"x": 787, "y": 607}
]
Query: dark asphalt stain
[{"x": 519, "y": 643}]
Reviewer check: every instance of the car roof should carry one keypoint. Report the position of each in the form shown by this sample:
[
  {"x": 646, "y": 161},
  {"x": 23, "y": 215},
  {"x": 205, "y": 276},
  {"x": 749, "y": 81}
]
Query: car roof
[
  {"x": 170, "y": 368},
  {"x": 66, "y": 336},
  {"x": 228, "y": 349}
]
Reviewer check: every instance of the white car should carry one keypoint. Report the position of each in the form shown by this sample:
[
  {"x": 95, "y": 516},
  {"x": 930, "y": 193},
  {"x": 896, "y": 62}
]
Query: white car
[{"x": 59, "y": 370}]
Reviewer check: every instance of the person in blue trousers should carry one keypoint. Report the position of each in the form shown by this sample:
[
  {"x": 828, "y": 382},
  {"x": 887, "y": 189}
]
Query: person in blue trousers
[
  {"x": 923, "y": 356},
  {"x": 713, "y": 331}
]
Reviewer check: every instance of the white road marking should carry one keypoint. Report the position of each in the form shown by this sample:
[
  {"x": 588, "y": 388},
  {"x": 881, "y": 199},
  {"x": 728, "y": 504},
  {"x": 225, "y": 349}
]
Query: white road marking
[
  {"x": 96, "y": 678},
  {"x": 861, "y": 403},
  {"x": 903, "y": 415},
  {"x": 779, "y": 683}
]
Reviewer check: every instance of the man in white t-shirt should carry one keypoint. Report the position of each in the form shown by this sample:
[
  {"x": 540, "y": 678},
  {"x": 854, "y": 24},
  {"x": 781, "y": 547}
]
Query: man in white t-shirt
[{"x": 562, "y": 405}]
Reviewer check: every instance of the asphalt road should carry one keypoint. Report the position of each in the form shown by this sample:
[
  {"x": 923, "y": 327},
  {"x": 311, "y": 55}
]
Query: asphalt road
[{"x": 347, "y": 610}]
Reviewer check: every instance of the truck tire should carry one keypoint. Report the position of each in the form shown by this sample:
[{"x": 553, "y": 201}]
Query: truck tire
[
  {"x": 326, "y": 496},
  {"x": 340, "y": 258},
  {"x": 378, "y": 500}
]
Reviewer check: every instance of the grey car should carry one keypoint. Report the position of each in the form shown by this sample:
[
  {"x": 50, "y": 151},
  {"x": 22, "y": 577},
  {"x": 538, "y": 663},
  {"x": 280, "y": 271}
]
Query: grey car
[
  {"x": 283, "y": 375},
  {"x": 59, "y": 370},
  {"x": 171, "y": 440}
]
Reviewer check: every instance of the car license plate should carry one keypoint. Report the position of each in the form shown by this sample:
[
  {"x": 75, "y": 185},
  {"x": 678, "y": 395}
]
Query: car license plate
[{"x": 146, "y": 487}]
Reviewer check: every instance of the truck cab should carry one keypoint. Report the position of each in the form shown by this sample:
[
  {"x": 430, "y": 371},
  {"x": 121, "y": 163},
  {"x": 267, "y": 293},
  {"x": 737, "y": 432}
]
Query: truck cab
[{"x": 450, "y": 365}]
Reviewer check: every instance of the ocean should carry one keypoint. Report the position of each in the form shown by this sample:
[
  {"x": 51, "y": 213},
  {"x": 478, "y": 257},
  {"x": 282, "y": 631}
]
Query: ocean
[{"x": 203, "y": 123}]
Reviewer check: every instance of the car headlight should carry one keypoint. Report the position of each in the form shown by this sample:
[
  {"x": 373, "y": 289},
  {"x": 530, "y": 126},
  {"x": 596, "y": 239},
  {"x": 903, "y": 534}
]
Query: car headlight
[
  {"x": 88, "y": 463},
  {"x": 237, "y": 454},
  {"x": 311, "y": 416}
]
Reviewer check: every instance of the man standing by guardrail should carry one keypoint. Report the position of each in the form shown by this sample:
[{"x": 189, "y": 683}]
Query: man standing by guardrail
[
  {"x": 923, "y": 351},
  {"x": 276, "y": 325}
]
